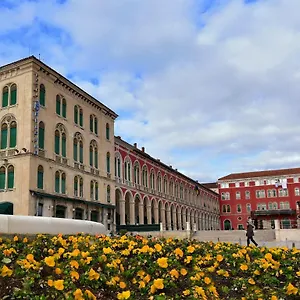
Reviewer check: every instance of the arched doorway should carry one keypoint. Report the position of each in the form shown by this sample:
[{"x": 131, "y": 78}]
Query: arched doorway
[
  {"x": 227, "y": 225},
  {"x": 118, "y": 198},
  {"x": 6, "y": 208}
]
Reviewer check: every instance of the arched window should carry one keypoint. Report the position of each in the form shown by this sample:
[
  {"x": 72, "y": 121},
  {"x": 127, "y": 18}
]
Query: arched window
[
  {"x": 10, "y": 177},
  {"x": 227, "y": 225},
  {"x": 61, "y": 106},
  {"x": 78, "y": 147},
  {"x": 152, "y": 180},
  {"x": 42, "y": 95},
  {"x": 158, "y": 183},
  {"x": 78, "y": 186},
  {"x": 118, "y": 165},
  {"x": 127, "y": 169},
  {"x": 136, "y": 173},
  {"x": 8, "y": 132},
  {"x": 40, "y": 177},
  {"x": 108, "y": 162},
  {"x": 41, "y": 135},
  {"x": 80, "y": 117},
  {"x": 2, "y": 178},
  {"x": 165, "y": 185},
  {"x": 107, "y": 131},
  {"x": 9, "y": 95},
  {"x": 108, "y": 194},
  {"x": 60, "y": 182},
  {"x": 94, "y": 124},
  {"x": 94, "y": 154},
  {"x": 94, "y": 190},
  {"x": 76, "y": 114},
  {"x": 145, "y": 176},
  {"x": 60, "y": 140}
]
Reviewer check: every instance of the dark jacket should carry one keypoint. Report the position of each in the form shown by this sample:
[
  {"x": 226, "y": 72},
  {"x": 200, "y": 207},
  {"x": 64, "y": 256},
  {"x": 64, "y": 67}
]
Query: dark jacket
[{"x": 250, "y": 231}]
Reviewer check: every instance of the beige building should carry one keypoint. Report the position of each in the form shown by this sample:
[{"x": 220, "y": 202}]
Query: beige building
[
  {"x": 57, "y": 146},
  {"x": 59, "y": 158}
]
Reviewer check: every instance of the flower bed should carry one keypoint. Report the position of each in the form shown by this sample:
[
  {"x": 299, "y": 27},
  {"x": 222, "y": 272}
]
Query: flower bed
[{"x": 89, "y": 267}]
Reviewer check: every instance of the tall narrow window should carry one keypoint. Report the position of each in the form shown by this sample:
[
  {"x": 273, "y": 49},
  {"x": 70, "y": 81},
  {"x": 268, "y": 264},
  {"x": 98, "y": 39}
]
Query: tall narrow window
[
  {"x": 81, "y": 117},
  {"x": 10, "y": 177},
  {"x": 64, "y": 108},
  {"x": 41, "y": 135},
  {"x": 63, "y": 183},
  {"x": 96, "y": 158},
  {"x": 81, "y": 152},
  {"x": 94, "y": 154},
  {"x": 107, "y": 131},
  {"x": 91, "y": 123},
  {"x": 42, "y": 95},
  {"x": 91, "y": 156},
  {"x": 57, "y": 142},
  {"x": 80, "y": 187},
  {"x": 2, "y": 178},
  {"x": 92, "y": 190},
  {"x": 58, "y": 104},
  {"x": 5, "y": 97},
  {"x": 13, "y": 135},
  {"x": 108, "y": 162},
  {"x": 96, "y": 191},
  {"x": 57, "y": 182},
  {"x": 76, "y": 114},
  {"x": 76, "y": 186},
  {"x": 40, "y": 177},
  {"x": 63, "y": 145},
  {"x": 96, "y": 125},
  {"x": 75, "y": 149},
  {"x": 4, "y": 129},
  {"x": 108, "y": 194},
  {"x": 13, "y": 94}
]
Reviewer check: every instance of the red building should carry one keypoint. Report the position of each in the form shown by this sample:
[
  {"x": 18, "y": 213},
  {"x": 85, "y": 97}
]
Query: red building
[{"x": 264, "y": 196}]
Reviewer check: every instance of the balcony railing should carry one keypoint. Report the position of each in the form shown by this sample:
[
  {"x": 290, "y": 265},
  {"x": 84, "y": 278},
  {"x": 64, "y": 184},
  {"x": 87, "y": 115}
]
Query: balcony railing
[{"x": 273, "y": 212}]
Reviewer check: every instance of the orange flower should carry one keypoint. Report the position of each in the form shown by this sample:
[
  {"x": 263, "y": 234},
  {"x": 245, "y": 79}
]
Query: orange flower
[
  {"x": 6, "y": 271},
  {"x": 78, "y": 295},
  {"x": 174, "y": 273},
  {"x": 207, "y": 280},
  {"x": 124, "y": 295},
  {"x": 30, "y": 257},
  {"x": 183, "y": 272},
  {"x": 49, "y": 260},
  {"x": 58, "y": 271},
  {"x": 16, "y": 238},
  {"x": 122, "y": 285},
  {"x": 90, "y": 295},
  {"x": 244, "y": 267},
  {"x": 74, "y": 275},
  {"x": 162, "y": 262},
  {"x": 158, "y": 247},
  {"x": 178, "y": 252},
  {"x": 58, "y": 284},
  {"x": 74, "y": 264},
  {"x": 93, "y": 275},
  {"x": 251, "y": 281},
  {"x": 50, "y": 282},
  {"x": 219, "y": 258},
  {"x": 158, "y": 283}
]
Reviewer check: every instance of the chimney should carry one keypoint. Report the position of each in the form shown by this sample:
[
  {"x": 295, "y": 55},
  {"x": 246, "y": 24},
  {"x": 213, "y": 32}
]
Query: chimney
[
  {"x": 158, "y": 159},
  {"x": 135, "y": 145},
  {"x": 143, "y": 149},
  {"x": 170, "y": 166}
]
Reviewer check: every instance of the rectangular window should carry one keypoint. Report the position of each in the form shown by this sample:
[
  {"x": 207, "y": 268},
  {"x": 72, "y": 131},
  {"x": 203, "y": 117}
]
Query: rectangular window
[
  {"x": 81, "y": 154},
  {"x": 297, "y": 192},
  {"x": 57, "y": 184},
  {"x": 64, "y": 109},
  {"x": 2, "y": 179},
  {"x": 10, "y": 179},
  {"x": 223, "y": 196},
  {"x": 75, "y": 151},
  {"x": 56, "y": 144},
  {"x": 81, "y": 119},
  {"x": 63, "y": 147},
  {"x": 238, "y": 195},
  {"x": 237, "y": 184},
  {"x": 63, "y": 185},
  {"x": 40, "y": 209},
  {"x": 58, "y": 106},
  {"x": 96, "y": 159},
  {"x": 247, "y": 195},
  {"x": 91, "y": 157},
  {"x": 96, "y": 192}
]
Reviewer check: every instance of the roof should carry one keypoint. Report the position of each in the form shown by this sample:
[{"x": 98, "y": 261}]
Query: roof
[
  {"x": 267, "y": 173},
  {"x": 210, "y": 185},
  {"x": 59, "y": 78}
]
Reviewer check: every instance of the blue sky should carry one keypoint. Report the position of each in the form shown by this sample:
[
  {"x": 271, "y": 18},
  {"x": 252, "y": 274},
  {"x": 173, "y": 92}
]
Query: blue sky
[{"x": 209, "y": 87}]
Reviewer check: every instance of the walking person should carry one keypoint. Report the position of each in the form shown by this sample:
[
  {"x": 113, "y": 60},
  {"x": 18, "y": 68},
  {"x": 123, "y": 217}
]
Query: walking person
[{"x": 250, "y": 233}]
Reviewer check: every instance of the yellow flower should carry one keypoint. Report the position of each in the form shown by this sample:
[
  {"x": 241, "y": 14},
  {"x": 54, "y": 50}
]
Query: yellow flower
[
  {"x": 93, "y": 275},
  {"x": 268, "y": 256},
  {"x": 74, "y": 264},
  {"x": 78, "y": 295},
  {"x": 88, "y": 260},
  {"x": 49, "y": 260},
  {"x": 75, "y": 252},
  {"x": 251, "y": 281},
  {"x": 158, "y": 247},
  {"x": 122, "y": 285},
  {"x": 25, "y": 240},
  {"x": 16, "y": 238},
  {"x": 244, "y": 267},
  {"x": 141, "y": 284},
  {"x": 219, "y": 258},
  {"x": 107, "y": 250},
  {"x": 90, "y": 295},
  {"x": 74, "y": 275},
  {"x": 6, "y": 271},
  {"x": 298, "y": 273},
  {"x": 158, "y": 283},
  {"x": 183, "y": 272},
  {"x": 207, "y": 280},
  {"x": 162, "y": 262},
  {"x": 256, "y": 272},
  {"x": 59, "y": 284},
  {"x": 188, "y": 259},
  {"x": 61, "y": 251},
  {"x": 178, "y": 252},
  {"x": 58, "y": 271},
  {"x": 190, "y": 249},
  {"x": 30, "y": 257},
  {"x": 50, "y": 282},
  {"x": 274, "y": 298},
  {"x": 147, "y": 278},
  {"x": 291, "y": 289},
  {"x": 51, "y": 251},
  {"x": 124, "y": 295},
  {"x": 186, "y": 292},
  {"x": 174, "y": 273}
]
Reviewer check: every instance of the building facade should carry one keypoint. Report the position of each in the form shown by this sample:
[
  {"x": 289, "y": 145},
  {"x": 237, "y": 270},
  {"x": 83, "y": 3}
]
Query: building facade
[
  {"x": 264, "y": 196},
  {"x": 57, "y": 146},
  {"x": 58, "y": 154},
  {"x": 150, "y": 192}
]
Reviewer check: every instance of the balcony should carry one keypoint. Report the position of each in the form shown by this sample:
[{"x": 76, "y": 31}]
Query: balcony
[{"x": 273, "y": 212}]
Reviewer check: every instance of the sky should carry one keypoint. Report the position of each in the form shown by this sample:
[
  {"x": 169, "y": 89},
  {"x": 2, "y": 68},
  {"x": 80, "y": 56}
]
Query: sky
[{"x": 211, "y": 87}]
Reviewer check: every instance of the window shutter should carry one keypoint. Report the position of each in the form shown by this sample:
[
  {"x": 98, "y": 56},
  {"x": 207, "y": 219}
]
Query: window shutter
[
  {"x": 4, "y": 137},
  {"x": 13, "y": 95},
  {"x": 2, "y": 178},
  {"x": 64, "y": 108},
  {"x": 58, "y": 105},
  {"x": 10, "y": 181},
  {"x": 81, "y": 152},
  {"x": 5, "y": 97},
  {"x": 41, "y": 137},
  {"x": 75, "y": 150},
  {"x": 81, "y": 118},
  {"x": 40, "y": 179},
  {"x": 96, "y": 159},
  {"x": 56, "y": 147},
  {"x": 63, "y": 144},
  {"x": 13, "y": 137},
  {"x": 42, "y": 95}
]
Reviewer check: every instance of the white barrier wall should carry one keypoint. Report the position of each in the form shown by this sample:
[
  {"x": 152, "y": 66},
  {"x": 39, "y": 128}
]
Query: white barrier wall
[{"x": 47, "y": 225}]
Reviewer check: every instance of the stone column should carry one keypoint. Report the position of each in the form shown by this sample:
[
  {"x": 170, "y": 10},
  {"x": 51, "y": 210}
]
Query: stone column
[
  {"x": 141, "y": 213},
  {"x": 132, "y": 213},
  {"x": 188, "y": 217},
  {"x": 169, "y": 218},
  {"x": 105, "y": 217},
  {"x": 122, "y": 211},
  {"x": 175, "y": 220},
  {"x": 163, "y": 218},
  {"x": 184, "y": 220},
  {"x": 179, "y": 220},
  {"x": 156, "y": 215},
  {"x": 149, "y": 214}
]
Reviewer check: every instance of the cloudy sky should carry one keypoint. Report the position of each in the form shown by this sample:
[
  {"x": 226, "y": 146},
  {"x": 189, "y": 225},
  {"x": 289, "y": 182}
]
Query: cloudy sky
[{"x": 209, "y": 86}]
